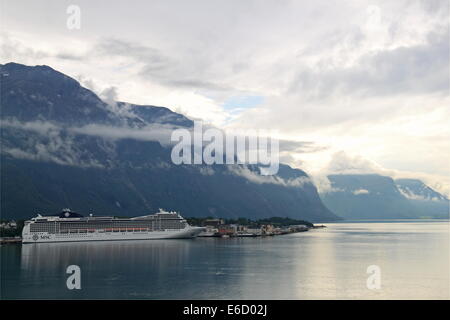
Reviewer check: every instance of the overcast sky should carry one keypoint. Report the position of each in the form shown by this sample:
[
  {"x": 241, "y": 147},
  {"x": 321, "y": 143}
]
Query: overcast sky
[{"x": 365, "y": 83}]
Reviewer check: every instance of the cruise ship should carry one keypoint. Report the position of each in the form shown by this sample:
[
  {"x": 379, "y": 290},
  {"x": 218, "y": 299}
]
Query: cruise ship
[{"x": 70, "y": 226}]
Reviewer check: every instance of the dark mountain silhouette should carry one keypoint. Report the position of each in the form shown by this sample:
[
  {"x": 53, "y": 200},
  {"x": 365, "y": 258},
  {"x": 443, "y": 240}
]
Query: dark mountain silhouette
[{"x": 64, "y": 147}]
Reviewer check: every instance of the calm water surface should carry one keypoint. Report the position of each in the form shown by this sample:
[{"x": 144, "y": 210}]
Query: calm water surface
[{"x": 330, "y": 263}]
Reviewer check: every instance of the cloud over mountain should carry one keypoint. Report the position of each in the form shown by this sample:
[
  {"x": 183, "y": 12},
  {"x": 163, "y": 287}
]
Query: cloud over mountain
[{"x": 365, "y": 76}]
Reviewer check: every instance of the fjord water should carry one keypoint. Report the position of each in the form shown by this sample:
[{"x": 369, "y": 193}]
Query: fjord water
[{"x": 330, "y": 263}]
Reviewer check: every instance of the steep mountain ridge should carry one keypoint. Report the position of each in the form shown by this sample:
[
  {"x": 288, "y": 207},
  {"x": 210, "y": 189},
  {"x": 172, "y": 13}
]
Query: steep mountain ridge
[
  {"x": 372, "y": 196},
  {"x": 62, "y": 146}
]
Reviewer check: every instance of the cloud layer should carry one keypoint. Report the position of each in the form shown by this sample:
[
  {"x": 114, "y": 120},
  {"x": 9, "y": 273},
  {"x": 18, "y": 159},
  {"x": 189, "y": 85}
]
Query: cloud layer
[{"x": 369, "y": 78}]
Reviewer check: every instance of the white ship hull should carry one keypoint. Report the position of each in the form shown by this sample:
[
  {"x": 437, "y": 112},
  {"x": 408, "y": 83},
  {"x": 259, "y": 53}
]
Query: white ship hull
[{"x": 39, "y": 237}]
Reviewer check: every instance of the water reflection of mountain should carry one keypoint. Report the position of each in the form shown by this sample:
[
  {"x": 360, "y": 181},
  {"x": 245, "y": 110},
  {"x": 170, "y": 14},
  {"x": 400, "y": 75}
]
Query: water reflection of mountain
[{"x": 108, "y": 268}]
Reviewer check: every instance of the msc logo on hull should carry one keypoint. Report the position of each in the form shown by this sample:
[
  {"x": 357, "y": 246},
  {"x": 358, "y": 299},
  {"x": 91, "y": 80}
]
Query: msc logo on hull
[{"x": 43, "y": 237}]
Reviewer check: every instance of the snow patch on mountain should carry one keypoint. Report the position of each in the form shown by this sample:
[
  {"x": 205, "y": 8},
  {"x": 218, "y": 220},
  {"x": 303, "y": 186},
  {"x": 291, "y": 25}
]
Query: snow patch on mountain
[{"x": 360, "y": 191}]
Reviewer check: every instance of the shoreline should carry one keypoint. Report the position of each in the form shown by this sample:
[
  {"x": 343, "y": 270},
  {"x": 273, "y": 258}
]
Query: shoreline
[
  {"x": 10, "y": 240},
  {"x": 18, "y": 240}
]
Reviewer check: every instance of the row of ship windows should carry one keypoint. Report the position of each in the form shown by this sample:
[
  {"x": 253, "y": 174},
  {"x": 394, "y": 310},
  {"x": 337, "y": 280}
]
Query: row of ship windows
[
  {"x": 119, "y": 226},
  {"x": 92, "y": 231},
  {"x": 114, "y": 222},
  {"x": 103, "y": 230},
  {"x": 52, "y": 228}
]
